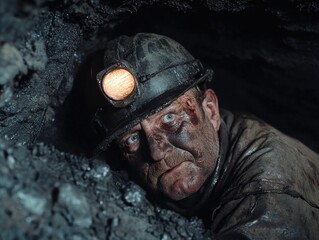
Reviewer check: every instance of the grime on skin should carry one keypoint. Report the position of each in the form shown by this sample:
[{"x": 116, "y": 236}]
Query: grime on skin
[{"x": 174, "y": 151}]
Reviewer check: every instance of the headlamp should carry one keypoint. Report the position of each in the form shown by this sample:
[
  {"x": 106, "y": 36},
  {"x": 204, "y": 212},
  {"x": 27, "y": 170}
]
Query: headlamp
[
  {"x": 145, "y": 94},
  {"x": 118, "y": 84}
]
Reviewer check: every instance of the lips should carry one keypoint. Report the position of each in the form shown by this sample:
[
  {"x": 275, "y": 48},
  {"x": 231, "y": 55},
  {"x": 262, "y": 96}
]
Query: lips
[{"x": 171, "y": 170}]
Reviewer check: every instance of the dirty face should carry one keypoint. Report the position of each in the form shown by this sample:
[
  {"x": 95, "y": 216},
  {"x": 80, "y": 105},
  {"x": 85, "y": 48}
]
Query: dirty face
[{"x": 174, "y": 151}]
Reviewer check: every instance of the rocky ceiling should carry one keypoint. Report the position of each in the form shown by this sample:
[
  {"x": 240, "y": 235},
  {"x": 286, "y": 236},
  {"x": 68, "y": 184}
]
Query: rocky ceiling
[{"x": 265, "y": 55}]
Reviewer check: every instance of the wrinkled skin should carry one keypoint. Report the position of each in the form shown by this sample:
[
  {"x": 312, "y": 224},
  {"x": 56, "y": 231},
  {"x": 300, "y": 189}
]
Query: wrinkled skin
[{"x": 174, "y": 151}]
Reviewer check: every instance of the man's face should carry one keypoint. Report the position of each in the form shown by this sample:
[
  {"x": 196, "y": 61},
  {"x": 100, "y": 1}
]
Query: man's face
[{"x": 174, "y": 151}]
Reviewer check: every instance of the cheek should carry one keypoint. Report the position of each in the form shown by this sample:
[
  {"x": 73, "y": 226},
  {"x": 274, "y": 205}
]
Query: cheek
[
  {"x": 188, "y": 138},
  {"x": 200, "y": 140},
  {"x": 138, "y": 166},
  {"x": 190, "y": 129}
]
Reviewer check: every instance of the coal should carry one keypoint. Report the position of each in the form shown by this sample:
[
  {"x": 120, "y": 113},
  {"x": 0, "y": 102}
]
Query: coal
[{"x": 46, "y": 194}]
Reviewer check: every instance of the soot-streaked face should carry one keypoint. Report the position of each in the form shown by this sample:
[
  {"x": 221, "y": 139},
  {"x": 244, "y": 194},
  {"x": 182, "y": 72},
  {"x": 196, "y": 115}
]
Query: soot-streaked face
[{"x": 174, "y": 151}]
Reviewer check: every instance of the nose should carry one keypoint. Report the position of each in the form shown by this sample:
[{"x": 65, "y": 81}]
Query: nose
[{"x": 157, "y": 141}]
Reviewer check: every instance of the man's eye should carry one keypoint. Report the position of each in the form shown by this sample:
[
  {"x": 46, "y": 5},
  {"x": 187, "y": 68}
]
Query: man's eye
[
  {"x": 168, "y": 118},
  {"x": 133, "y": 138}
]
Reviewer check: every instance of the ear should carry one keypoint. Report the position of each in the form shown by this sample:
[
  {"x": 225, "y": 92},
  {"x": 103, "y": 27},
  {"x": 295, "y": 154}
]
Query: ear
[{"x": 210, "y": 107}]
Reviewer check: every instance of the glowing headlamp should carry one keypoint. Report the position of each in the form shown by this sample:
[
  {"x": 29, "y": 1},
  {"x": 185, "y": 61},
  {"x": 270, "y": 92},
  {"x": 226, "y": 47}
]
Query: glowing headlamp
[{"x": 119, "y": 85}]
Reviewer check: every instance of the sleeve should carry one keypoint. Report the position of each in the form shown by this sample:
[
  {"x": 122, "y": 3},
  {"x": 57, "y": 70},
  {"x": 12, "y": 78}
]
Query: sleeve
[{"x": 265, "y": 216}]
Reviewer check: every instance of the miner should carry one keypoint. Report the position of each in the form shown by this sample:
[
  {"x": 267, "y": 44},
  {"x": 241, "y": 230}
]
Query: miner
[{"x": 245, "y": 178}]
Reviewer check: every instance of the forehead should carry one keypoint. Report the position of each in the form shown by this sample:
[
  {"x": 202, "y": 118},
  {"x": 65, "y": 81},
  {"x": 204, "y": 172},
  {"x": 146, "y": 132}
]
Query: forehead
[{"x": 185, "y": 101}]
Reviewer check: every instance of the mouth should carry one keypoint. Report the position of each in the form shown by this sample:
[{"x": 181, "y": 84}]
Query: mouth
[
  {"x": 171, "y": 170},
  {"x": 158, "y": 171}
]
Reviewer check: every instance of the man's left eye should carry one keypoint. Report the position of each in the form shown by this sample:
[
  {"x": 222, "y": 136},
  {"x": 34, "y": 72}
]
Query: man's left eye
[{"x": 168, "y": 118}]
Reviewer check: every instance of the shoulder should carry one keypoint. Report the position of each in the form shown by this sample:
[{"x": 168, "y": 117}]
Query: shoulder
[
  {"x": 266, "y": 175},
  {"x": 266, "y": 216},
  {"x": 264, "y": 158}
]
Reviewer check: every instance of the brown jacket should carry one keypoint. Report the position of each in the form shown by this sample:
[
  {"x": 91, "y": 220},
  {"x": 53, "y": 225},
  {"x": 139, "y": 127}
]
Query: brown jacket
[{"x": 265, "y": 185}]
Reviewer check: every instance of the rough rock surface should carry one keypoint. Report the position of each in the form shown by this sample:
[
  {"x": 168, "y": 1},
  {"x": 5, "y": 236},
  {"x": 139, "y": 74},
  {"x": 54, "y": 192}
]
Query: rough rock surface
[
  {"x": 49, "y": 194},
  {"x": 265, "y": 57}
]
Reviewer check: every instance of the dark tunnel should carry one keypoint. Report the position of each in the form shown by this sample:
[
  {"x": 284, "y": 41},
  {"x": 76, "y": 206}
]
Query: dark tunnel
[{"x": 265, "y": 56}]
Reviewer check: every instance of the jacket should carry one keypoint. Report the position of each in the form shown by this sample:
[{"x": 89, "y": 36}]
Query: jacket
[{"x": 265, "y": 184}]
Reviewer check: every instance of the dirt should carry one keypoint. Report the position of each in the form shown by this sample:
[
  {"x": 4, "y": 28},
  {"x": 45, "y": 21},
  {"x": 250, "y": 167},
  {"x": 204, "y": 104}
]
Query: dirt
[
  {"x": 265, "y": 60},
  {"x": 49, "y": 194}
]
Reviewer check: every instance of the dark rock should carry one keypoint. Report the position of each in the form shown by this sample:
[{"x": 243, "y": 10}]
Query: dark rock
[
  {"x": 45, "y": 193},
  {"x": 74, "y": 206}
]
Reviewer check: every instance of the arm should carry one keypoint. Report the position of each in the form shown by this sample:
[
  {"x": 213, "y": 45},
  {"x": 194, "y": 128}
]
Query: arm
[{"x": 266, "y": 216}]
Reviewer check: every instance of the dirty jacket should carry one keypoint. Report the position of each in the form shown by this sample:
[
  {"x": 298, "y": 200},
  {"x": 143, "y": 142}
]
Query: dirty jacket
[{"x": 265, "y": 184}]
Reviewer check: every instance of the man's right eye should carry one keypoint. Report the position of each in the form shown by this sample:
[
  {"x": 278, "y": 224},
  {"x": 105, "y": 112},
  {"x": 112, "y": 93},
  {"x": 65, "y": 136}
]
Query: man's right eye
[{"x": 135, "y": 137}]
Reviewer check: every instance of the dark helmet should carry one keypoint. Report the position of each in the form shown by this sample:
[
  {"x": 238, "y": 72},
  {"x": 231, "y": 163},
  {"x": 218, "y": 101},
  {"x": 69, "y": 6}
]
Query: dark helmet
[{"x": 142, "y": 74}]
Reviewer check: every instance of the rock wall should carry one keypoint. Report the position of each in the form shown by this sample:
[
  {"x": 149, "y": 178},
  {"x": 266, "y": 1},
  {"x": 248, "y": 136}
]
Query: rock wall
[
  {"x": 265, "y": 55},
  {"x": 49, "y": 194}
]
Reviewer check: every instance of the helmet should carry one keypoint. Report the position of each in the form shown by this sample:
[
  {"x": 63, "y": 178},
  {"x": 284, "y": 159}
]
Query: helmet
[{"x": 141, "y": 75}]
